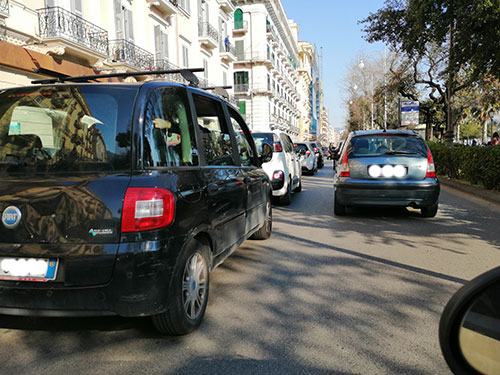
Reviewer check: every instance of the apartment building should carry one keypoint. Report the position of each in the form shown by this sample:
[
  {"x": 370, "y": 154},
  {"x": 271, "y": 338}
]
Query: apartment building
[
  {"x": 306, "y": 54},
  {"x": 74, "y": 37},
  {"x": 266, "y": 69}
]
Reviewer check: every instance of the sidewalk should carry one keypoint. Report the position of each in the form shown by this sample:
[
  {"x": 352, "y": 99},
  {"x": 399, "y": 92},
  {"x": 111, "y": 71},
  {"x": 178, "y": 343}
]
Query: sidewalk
[{"x": 489, "y": 195}]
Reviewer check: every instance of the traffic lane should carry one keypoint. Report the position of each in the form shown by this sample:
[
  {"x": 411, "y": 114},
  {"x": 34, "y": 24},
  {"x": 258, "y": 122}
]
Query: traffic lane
[
  {"x": 460, "y": 242},
  {"x": 294, "y": 305}
]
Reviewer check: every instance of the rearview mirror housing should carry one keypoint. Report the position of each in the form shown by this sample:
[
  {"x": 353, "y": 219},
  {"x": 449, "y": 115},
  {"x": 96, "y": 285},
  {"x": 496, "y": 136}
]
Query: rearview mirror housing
[{"x": 469, "y": 329}]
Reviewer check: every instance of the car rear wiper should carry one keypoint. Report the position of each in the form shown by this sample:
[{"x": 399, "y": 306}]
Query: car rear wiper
[{"x": 393, "y": 152}]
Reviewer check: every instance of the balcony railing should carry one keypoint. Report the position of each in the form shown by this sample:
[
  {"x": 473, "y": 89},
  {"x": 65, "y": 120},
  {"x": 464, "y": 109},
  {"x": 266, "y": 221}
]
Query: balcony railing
[
  {"x": 240, "y": 26},
  {"x": 241, "y": 88},
  {"x": 227, "y": 48},
  {"x": 57, "y": 22},
  {"x": 209, "y": 33},
  {"x": 4, "y": 7},
  {"x": 123, "y": 51}
]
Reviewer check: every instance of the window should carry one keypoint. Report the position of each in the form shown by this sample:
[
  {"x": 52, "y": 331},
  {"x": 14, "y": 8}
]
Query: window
[
  {"x": 185, "y": 56},
  {"x": 76, "y": 7},
  {"x": 241, "y": 78},
  {"x": 184, "y": 4},
  {"x": 161, "y": 44},
  {"x": 123, "y": 22},
  {"x": 217, "y": 144},
  {"x": 69, "y": 128},
  {"x": 205, "y": 67},
  {"x": 238, "y": 19},
  {"x": 168, "y": 132},
  {"x": 239, "y": 49},
  {"x": 244, "y": 148}
]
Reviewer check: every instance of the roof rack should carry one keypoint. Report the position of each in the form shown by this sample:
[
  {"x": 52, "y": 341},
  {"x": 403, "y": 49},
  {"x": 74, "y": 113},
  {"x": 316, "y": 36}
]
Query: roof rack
[{"x": 186, "y": 73}]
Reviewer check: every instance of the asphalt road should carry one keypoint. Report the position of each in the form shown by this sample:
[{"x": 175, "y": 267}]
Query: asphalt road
[{"x": 360, "y": 294}]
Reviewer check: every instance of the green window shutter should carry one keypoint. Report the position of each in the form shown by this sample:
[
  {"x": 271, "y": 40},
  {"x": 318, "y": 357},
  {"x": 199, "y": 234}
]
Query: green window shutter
[
  {"x": 242, "y": 107},
  {"x": 238, "y": 19}
]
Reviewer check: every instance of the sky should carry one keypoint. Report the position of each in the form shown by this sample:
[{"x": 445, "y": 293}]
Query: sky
[{"x": 333, "y": 26}]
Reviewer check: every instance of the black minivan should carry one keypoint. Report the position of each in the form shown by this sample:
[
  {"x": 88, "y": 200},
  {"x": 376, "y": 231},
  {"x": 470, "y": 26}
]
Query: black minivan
[{"x": 120, "y": 198}]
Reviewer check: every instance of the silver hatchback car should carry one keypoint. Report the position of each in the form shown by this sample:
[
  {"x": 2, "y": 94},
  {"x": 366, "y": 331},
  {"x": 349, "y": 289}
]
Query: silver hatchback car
[{"x": 386, "y": 168}]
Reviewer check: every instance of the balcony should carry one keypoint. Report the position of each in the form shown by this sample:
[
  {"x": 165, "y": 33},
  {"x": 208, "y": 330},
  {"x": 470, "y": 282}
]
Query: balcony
[
  {"x": 208, "y": 35},
  {"x": 240, "y": 28},
  {"x": 227, "y": 53},
  {"x": 123, "y": 52},
  {"x": 167, "y": 7},
  {"x": 227, "y": 6},
  {"x": 61, "y": 28},
  {"x": 4, "y": 8},
  {"x": 241, "y": 88}
]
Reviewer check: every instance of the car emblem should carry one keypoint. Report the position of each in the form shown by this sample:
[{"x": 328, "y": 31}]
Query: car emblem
[{"x": 11, "y": 217}]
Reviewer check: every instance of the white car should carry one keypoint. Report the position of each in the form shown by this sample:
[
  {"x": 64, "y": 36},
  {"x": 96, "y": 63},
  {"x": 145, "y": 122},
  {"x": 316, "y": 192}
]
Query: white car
[
  {"x": 284, "y": 169},
  {"x": 307, "y": 157}
]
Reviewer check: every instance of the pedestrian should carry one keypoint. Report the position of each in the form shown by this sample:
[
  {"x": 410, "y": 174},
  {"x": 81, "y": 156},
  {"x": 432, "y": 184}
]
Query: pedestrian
[
  {"x": 226, "y": 43},
  {"x": 495, "y": 139}
]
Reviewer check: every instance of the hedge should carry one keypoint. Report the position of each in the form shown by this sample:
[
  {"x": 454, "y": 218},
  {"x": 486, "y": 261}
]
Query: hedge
[{"x": 478, "y": 165}]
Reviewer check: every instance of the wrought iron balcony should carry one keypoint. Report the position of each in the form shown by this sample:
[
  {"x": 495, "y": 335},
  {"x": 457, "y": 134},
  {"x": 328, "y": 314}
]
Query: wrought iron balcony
[
  {"x": 227, "y": 52},
  {"x": 4, "y": 8},
  {"x": 123, "y": 51},
  {"x": 241, "y": 88},
  {"x": 208, "y": 35},
  {"x": 58, "y": 23}
]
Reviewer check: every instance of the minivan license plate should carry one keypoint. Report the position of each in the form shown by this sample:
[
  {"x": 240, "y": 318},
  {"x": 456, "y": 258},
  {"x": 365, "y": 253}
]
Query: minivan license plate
[{"x": 28, "y": 269}]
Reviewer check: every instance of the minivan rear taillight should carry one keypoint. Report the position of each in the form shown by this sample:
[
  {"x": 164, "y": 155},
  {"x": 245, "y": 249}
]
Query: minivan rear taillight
[
  {"x": 344, "y": 167},
  {"x": 431, "y": 170},
  {"x": 147, "y": 208}
]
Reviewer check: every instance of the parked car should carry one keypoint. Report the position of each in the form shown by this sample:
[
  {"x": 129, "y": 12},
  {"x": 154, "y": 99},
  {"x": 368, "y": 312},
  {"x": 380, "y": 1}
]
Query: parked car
[
  {"x": 120, "y": 199},
  {"x": 336, "y": 153},
  {"x": 308, "y": 159},
  {"x": 318, "y": 150},
  {"x": 284, "y": 169},
  {"x": 386, "y": 168}
]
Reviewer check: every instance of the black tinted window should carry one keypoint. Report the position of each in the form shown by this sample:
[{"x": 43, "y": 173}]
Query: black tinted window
[
  {"x": 214, "y": 132},
  {"x": 169, "y": 134},
  {"x": 65, "y": 129}
]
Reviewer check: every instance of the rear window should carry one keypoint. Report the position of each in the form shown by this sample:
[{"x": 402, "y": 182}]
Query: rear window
[
  {"x": 262, "y": 138},
  {"x": 390, "y": 144},
  {"x": 300, "y": 146},
  {"x": 65, "y": 129}
]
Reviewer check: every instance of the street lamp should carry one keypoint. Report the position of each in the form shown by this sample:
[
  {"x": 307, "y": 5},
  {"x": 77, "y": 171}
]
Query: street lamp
[{"x": 361, "y": 66}]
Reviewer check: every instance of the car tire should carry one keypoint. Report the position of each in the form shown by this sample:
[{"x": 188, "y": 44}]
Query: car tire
[
  {"x": 298, "y": 189},
  {"x": 286, "y": 199},
  {"x": 265, "y": 230},
  {"x": 338, "y": 208},
  {"x": 429, "y": 211},
  {"x": 188, "y": 293}
]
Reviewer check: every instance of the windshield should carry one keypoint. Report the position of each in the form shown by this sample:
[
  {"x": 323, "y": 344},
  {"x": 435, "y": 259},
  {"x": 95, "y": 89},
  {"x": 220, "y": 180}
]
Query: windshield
[
  {"x": 379, "y": 144},
  {"x": 65, "y": 129}
]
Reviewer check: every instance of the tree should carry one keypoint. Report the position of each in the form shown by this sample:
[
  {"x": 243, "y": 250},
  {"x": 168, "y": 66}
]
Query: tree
[{"x": 465, "y": 35}]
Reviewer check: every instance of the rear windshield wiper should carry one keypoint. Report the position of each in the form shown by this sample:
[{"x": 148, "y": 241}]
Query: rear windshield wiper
[{"x": 392, "y": 152}]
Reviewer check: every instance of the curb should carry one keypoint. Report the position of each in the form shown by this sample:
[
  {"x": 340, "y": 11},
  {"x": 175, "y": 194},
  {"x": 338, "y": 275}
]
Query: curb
[{"x": 489, "y": 195}]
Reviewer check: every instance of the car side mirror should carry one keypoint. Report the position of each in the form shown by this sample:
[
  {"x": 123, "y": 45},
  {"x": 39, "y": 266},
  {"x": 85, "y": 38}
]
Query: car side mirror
[
  {"x": 267, "y": 153},
  {"x": 469, "y": 329}
]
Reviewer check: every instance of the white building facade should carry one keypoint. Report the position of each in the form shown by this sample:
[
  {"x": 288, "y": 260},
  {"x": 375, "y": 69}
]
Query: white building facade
[
  {"x": 265, "y": 72},
  {"x": 73, "y": 37}
]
